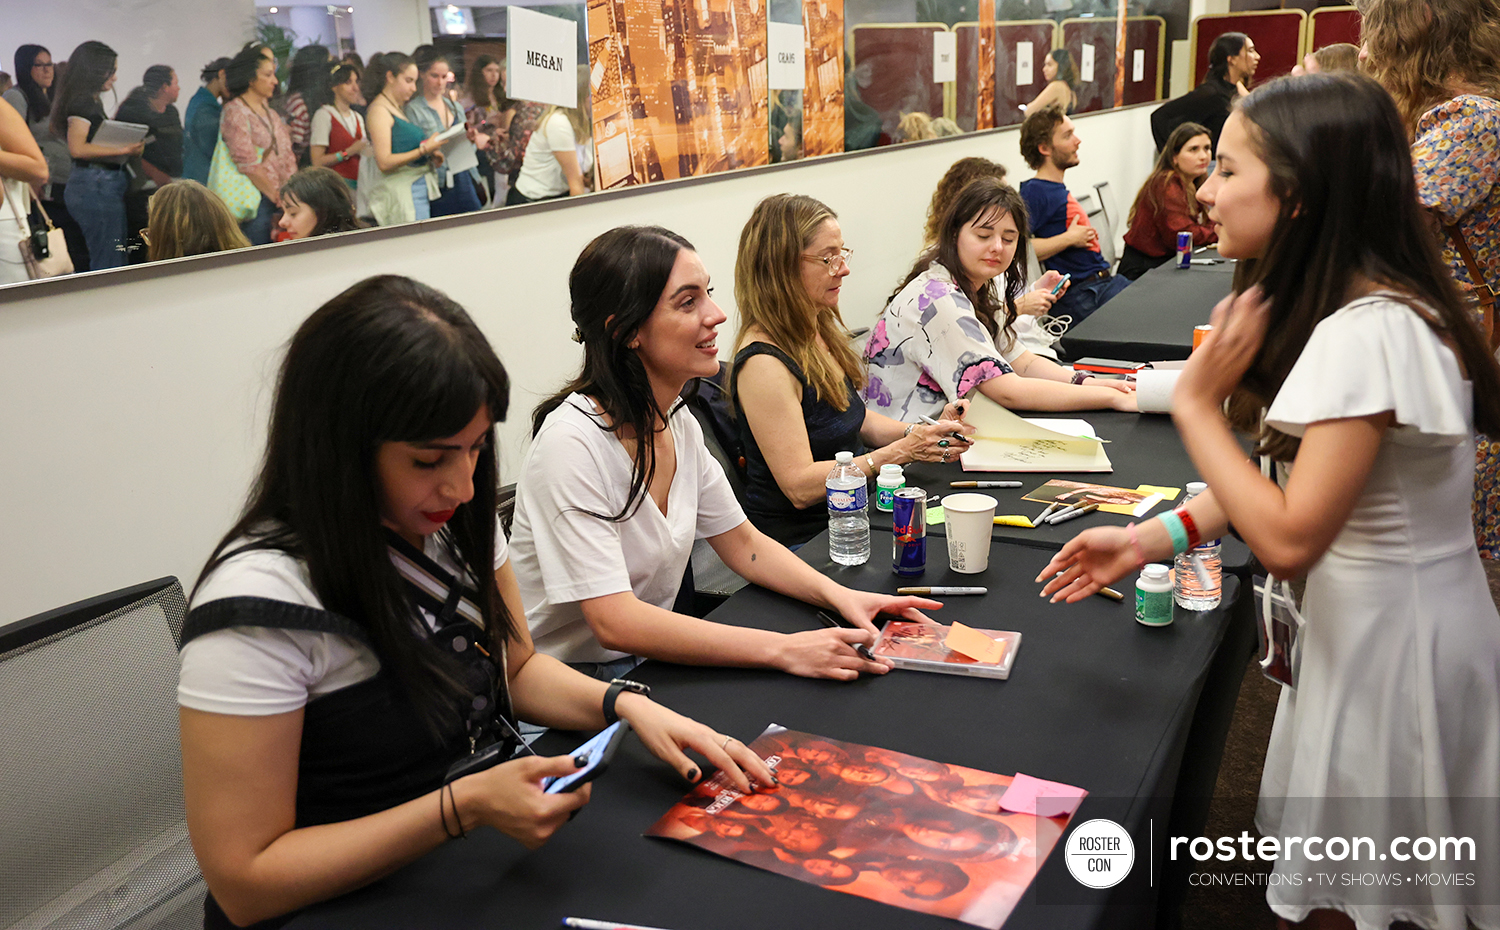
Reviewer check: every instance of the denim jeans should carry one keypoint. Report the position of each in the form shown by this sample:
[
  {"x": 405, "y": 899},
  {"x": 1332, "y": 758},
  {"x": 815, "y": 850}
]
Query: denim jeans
[
  {"x": 96, "y": 200},
  {"x": 258, "y": 227},
  {"x": 1080, "y": 300},
  {"x": 419, "y": 199}
]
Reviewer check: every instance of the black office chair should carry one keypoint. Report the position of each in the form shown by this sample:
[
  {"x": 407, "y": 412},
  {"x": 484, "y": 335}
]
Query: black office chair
[
  {"x": 712, "y": 582},
  {"x": 92, "y": 809}
]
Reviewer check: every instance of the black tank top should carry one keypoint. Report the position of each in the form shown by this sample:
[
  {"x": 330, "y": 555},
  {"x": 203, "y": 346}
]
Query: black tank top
[{"x": 829, "y": 431}]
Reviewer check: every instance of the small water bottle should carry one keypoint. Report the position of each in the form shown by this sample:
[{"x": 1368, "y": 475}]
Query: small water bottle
[
  {"x": 1191, "y": 588},
  {"x": 890, "y": 481},
  {"x": 848, "y": 518}
]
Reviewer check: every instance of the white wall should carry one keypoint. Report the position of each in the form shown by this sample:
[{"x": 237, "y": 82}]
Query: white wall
[
  {"x": 186, "y": 34},
  {"x": 135, "y": 400}
]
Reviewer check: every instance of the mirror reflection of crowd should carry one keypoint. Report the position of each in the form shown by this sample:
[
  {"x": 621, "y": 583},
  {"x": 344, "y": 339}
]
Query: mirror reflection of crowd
[{"x": 262, "y": 153}]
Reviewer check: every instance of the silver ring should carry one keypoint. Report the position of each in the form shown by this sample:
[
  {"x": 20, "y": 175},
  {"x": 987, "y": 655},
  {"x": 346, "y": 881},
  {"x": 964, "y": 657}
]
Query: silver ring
[{"x": 727, "y": 741}]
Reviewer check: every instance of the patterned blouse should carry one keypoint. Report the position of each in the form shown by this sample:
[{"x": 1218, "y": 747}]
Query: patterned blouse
[
  {"x": 928, "y": 349},
  {"x": 508, "y": 149},
  {"x": 1457, "y": 159},
  {"x": 245, "y": 131}
]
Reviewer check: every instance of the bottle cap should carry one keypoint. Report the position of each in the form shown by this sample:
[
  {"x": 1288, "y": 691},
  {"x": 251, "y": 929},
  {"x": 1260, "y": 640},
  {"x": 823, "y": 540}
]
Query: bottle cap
[
  {"x": 844, "y": 458},
  {"x": 1154, "y": 572},
  {"x": 1195, "y": 488},
  {"x": 891, "y": 470}
]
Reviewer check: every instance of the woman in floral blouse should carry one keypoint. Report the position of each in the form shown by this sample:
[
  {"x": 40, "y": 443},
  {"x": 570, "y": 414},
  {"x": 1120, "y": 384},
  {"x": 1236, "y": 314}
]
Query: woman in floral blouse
[
  {"x": 256, "y": 137},
  {"x": 942, "y": 336},
  {"x": 1442, "y": 64}
]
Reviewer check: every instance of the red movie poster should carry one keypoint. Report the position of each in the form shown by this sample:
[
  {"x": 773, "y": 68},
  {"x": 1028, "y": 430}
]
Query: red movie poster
[{"x": 883, "y": 825}]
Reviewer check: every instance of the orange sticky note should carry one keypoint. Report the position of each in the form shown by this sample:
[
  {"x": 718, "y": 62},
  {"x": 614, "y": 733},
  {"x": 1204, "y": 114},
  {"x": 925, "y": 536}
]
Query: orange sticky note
[{"x": 974, "y": 644}]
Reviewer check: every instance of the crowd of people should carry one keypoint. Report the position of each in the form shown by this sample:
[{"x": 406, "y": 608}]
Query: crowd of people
[{"x": 344, "y": 144}]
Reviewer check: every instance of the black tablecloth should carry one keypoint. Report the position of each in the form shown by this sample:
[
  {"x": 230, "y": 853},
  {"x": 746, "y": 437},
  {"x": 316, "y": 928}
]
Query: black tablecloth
[
  {"x": 1094, "y": 700},
  {"x": 1144, "y": 449},
  {"x": 1153, "y": 319}
]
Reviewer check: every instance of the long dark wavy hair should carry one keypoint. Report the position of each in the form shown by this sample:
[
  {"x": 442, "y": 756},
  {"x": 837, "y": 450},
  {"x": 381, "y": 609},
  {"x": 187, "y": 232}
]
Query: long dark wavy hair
[
  {"x": 309, "y": 76},
  {"x": 89, "y": 67},
  {"x": 1343, "y": 221},
  {"x": 615, "y": 286},
  {"x": 388, "y": 360},
  {"x": 981, "y": 198},
  {"x": 38, "y": 99}
]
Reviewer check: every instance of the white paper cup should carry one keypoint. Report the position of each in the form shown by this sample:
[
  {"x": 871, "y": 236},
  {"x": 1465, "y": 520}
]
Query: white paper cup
[
  {"x": 969, "y": 518},
  {"x": 1153, "y": 390}
]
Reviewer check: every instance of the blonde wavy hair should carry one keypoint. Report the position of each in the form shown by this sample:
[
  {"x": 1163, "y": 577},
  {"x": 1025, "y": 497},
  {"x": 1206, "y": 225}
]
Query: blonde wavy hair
[
  {"x": 770, "y": 297},
  {"x": 1420, "y": 49},
  {"x": 187, "y": 218}
]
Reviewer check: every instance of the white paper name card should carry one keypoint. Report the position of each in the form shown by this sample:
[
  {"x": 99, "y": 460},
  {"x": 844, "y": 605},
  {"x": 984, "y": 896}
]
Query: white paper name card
[
  {"x": 1024, "y": 72},
  {"x": 784, "y": 44},
  {"x": 944, "y": 57},
  {"x": 1138, "y": 66},
  {"x": 541, "y": 56},
  {"x": 1087, "y": 65}
]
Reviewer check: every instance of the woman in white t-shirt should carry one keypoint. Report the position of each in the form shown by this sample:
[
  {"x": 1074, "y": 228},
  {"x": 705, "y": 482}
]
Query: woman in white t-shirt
[
  {"x": 949, "y": 330},
  {"x": 359, "y": 630},
  {"x": 559, "y": 160},
  {"x": 338, "y": 135},
  {"x": 604, "y": 523}
]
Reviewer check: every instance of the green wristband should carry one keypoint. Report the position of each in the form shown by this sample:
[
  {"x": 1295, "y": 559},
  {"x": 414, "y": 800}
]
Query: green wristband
[{"x": 1177, "y": 531}]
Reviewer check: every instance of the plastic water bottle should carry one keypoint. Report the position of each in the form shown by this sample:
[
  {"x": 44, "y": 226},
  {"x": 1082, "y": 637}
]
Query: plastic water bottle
[
  {"x": 848, "y": 518},
  {"x": 1187, "y": 589}
]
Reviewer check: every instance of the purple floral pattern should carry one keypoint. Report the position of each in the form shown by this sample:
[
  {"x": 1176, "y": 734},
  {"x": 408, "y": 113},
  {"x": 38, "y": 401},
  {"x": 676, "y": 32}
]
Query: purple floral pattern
[{"x": 928, "y": 348}]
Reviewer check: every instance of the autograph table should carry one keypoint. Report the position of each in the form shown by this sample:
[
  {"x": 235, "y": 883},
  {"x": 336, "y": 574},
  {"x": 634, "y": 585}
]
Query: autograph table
[
  {"x": 1152, "y": 320},
  {"x": 1095, "y": 700}
]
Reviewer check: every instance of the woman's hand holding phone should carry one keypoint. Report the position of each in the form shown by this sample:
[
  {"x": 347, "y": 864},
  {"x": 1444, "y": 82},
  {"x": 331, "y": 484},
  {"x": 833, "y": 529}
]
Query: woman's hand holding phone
[{"x": 509, "y": 797}]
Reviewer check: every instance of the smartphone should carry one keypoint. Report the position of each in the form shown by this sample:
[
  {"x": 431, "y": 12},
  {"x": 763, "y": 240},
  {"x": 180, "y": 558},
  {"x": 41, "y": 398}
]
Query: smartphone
[
  {"x": 1113, "y": 366},
  {"x": 600, "y": 750},
  {"x": 1061, "y": 284}
]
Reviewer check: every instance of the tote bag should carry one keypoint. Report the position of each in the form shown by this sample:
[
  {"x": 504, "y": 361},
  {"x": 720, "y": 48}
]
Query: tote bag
[
  {"x": 44, "y": 251},
  {"x": 225, "y": 180}
]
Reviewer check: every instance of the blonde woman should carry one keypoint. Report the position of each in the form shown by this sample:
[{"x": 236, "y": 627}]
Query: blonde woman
[
  {"x": 559, "y": 159},
  {"x": 795, "y": 380},
  {"x": 187, "y": 218}
]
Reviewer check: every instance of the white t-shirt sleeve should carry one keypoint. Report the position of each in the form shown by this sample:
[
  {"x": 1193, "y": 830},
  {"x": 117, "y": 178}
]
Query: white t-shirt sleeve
[
  {"x": 257, "y": 671},
  {"x": 322, "y": 125},
  {"x": 580, "y": 555},
  {"x": 560, "y": 135}
]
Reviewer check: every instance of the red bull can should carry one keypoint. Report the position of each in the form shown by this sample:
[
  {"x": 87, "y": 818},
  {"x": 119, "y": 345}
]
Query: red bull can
[
  {"x": 1184, "y": 249},
  {"x": 909, "y": 531}
]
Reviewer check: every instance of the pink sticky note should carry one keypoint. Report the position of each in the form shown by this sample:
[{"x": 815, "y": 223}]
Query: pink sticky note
[{"x": 1027, "y": 795}]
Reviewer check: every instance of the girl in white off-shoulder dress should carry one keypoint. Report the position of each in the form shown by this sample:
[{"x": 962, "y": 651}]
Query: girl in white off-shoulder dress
[{"x": 1349, "y": 350}]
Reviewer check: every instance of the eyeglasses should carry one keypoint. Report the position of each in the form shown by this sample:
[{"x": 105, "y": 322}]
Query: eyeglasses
[
  {"x": 834, "y": 263},
  {"x": 145, "y": 237},
  {"x": 43, "y": 64}
]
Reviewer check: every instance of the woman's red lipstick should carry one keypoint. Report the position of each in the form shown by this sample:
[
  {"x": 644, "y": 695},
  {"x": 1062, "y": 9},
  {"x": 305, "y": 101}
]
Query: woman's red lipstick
[{"x": 438, "y": 516}]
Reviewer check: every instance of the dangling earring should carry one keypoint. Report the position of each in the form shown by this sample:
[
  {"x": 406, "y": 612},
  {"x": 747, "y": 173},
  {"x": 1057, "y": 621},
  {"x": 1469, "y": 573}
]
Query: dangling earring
[{"x": 577, "y": 335}]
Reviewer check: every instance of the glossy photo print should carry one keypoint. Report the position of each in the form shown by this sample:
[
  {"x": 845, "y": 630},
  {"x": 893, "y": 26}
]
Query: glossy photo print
[{"x": 917, "y": 834}]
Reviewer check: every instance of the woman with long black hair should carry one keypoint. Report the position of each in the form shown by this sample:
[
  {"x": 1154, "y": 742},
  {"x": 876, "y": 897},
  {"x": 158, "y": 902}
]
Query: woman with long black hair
[
  {"x": 1348, "y": 352},
  {"x": 326, "y": 688},
  {"x": 32, "y": 97},
  {"x": 618, "y": 484},
  {"x": 95, "y": 194}
]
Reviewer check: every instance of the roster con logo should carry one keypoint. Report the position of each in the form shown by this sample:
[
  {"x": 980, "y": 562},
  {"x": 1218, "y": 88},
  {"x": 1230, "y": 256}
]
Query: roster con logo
[{"x": 1099, "y": 853}]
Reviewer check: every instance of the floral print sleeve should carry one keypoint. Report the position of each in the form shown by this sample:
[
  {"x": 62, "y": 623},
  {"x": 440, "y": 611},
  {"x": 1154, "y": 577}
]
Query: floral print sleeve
[
  {"x": 1457, "y": 161},
  {"x": 927, "y": 349}
]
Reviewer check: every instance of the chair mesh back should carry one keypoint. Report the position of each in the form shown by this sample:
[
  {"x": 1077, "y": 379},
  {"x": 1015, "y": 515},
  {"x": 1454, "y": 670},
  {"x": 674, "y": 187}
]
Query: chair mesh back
[{"x": 91, "y": 809}]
